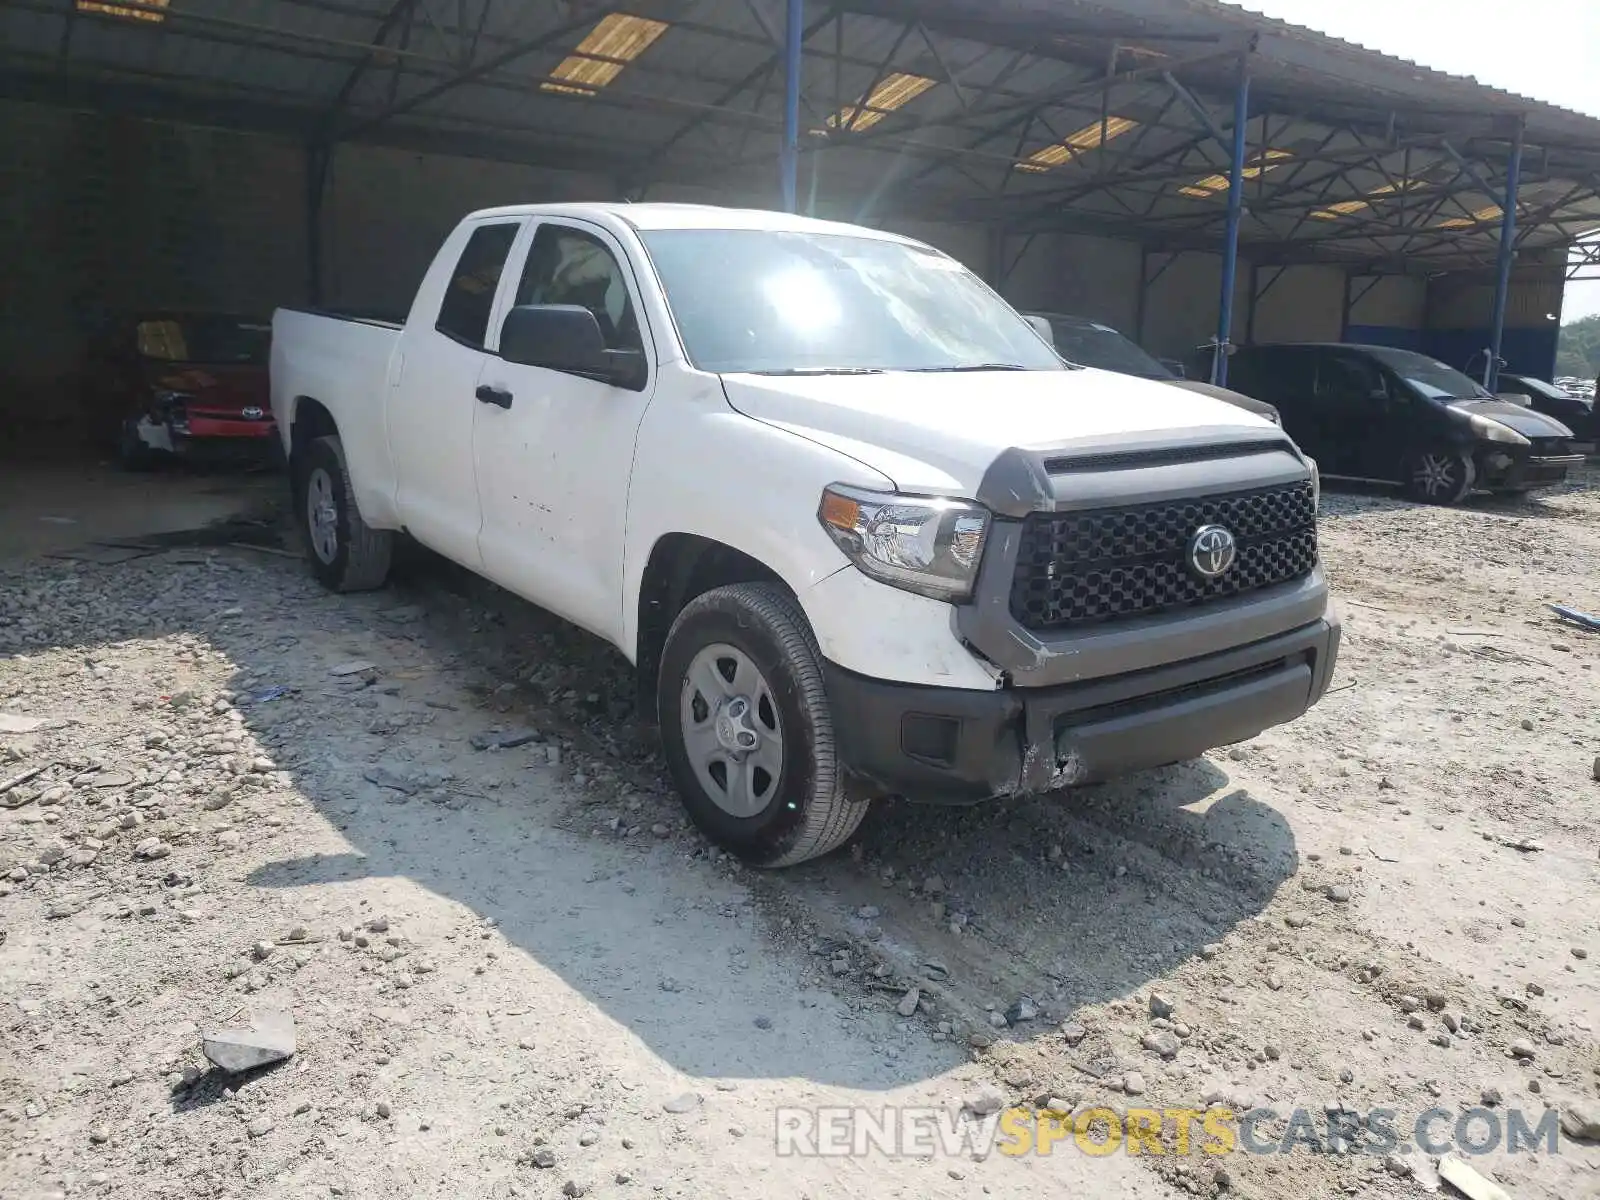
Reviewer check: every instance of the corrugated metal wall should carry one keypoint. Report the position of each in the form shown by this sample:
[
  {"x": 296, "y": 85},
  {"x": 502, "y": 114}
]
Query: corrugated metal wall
[{"x": 99, "y": 213}]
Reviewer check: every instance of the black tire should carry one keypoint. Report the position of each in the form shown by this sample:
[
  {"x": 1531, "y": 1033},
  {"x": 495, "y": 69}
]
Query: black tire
[
  {"x": 808, "y": 813},
  {"x": 132, "y": 453},
  {"x": 1442, "y": 476},
  {"x": 360, "y": 556}
]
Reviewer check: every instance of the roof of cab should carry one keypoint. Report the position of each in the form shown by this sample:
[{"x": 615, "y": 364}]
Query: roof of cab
[{"x": 693, "y": 216}]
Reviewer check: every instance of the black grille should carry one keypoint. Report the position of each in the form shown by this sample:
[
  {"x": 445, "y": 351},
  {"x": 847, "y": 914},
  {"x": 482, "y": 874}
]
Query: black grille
[
  {"x": 1553, "y": 447},
  {"x": 1076, "y": 569}
]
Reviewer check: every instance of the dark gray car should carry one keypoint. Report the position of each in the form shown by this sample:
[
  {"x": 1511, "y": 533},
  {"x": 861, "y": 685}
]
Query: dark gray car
[
  {"x": 1375, "y": 412},
  {"x": 1091, "y": 344}
]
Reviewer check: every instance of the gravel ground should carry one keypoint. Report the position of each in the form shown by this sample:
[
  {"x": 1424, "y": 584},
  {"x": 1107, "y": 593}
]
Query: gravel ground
[{"x": 516, "y": 971}]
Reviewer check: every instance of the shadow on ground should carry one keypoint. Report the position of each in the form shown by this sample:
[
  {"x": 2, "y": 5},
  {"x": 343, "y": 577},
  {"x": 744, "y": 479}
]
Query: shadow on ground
[{"x": 1067, "y": 899}]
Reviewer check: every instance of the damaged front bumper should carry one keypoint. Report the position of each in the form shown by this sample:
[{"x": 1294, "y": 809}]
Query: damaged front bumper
[
  {"x": 953, "y": 746},
  {"x": 1499, "y": 471}
]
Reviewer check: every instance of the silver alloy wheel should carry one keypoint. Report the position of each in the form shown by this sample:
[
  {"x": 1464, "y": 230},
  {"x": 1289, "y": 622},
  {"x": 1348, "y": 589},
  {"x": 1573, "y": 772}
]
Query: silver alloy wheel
[
  {"x": 732, "y": 733},
  {"x": 1436, "y": 474},
  {"x": 322, "y": 515}
]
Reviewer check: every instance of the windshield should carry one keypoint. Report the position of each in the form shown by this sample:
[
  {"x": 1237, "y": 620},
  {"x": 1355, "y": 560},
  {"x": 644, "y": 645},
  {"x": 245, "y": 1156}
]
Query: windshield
[
  {"x": 764, "y": 302},
  {"x": 204, "y": 339},
  {"x": 1429, "y": 376},
  {"x": 1094, "y": 345}
]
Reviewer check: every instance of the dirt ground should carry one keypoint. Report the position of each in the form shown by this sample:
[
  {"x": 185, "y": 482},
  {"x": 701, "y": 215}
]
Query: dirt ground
[{"x": 517, "y": 971}]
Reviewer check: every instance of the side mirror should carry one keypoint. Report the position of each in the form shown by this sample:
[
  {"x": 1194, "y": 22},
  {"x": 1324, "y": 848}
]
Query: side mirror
[
  {"x": 1517, "y": 398},
  {"x": 1379, "y": 393},
  {"x": 1041, "y": 326},
  {"x": 566, "y": 337}
]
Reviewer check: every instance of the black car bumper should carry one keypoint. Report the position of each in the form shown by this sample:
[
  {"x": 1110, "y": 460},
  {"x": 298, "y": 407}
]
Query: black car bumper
[
  {"x": 950, "y": 746},
  {"x": 1505, "y": 472}
]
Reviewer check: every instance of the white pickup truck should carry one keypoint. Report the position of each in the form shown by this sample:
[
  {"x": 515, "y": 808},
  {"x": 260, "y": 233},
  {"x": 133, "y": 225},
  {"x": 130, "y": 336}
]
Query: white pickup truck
[{"x": 859, "y": 528}]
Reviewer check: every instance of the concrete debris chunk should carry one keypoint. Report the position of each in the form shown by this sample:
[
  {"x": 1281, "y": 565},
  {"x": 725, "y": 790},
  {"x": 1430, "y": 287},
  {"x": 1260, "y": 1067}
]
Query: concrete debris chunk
[
  {"x": 1468, "y": 1182},
  {"x": 16, "y": 723},
  {"x": 1580, "y": 1119},
  {"x": 269, "y": 1038}
]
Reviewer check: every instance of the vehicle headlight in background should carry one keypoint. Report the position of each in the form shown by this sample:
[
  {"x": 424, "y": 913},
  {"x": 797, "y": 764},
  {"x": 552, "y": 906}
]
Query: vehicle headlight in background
[
  {"x": 1494, "y": 431},
  {"x": 1316, "y": 485},
  {"x": 923, "y": 544}
]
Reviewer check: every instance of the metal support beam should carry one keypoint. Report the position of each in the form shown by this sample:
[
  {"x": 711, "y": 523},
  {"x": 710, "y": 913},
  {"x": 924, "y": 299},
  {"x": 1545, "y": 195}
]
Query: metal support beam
[
  {"x": 318, "y": 160},
  {"x": 1141, "y": 299},
  {"x": 1508, "y": 256},
  {"x": 1195, "y": 107},
  {"x": 398, "y": 13},
  {"x": 789, "y": 160},
  {"x": 487, "y": 67},
  {"x": 1230, "y": 244}
]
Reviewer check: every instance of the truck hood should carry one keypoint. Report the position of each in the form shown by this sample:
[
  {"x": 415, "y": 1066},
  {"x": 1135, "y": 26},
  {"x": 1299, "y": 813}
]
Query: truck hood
[
  {"x": 937, "y": 433},
  {"x": 1249, "y": 403}
]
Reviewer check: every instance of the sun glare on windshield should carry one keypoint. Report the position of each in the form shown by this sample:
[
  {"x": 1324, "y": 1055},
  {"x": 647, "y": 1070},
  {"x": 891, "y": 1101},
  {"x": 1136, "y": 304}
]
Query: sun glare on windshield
[{"x": 803, "y": 300}]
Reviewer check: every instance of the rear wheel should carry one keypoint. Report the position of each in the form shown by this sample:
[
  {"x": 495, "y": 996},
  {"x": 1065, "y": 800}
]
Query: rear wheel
[
  {"x": 747, "y": 729},
  {"x": 346, "y": 555},
  {"x": 1440, "y": 476}
]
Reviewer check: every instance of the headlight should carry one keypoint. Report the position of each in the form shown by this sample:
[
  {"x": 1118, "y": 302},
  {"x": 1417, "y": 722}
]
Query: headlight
[
  {"x": 1273, "y": 415},
  {"x": 1316, "y": 485},
  {"x": 1493, "y": 431},
  {"x": 923, "y": 544}
]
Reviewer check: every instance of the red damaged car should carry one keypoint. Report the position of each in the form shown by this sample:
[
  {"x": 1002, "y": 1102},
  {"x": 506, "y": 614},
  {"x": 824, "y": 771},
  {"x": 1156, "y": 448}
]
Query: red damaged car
[{"x": 185, "y": 383}]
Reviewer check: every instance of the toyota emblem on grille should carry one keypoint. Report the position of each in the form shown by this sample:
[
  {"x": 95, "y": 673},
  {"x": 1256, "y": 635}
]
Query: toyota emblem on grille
[
  {"x": 252, "y": 414},
  {"x": 1212, "y": 551}
]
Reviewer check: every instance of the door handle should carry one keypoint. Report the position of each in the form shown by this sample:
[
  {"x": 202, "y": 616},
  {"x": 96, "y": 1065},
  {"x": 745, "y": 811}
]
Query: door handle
[{"x": 498, "y": 397}]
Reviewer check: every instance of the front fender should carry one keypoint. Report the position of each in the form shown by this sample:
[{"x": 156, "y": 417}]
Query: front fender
[{"x": 756, "y": 488}]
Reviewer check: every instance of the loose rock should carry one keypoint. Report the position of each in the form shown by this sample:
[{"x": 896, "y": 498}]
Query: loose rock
[{"x": 268, "y": 1039}]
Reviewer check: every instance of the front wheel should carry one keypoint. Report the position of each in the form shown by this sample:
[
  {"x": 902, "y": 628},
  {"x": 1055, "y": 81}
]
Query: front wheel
[
  {"x": 346, "y": 554},
  {"x": 747, "y": 730},
  {"x": 1440, "y": 476}
]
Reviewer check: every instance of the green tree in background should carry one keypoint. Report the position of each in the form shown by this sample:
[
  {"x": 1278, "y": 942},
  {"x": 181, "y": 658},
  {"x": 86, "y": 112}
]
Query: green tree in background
[{"x": 1578, "y": 351}]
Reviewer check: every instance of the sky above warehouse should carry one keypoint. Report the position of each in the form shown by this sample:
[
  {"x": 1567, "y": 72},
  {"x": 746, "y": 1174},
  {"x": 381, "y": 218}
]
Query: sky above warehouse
[{"x": 1545, "y": 49}]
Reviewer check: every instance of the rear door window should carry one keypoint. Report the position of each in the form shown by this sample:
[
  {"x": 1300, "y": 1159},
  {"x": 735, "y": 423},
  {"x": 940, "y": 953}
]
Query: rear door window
[
  {"x": 1279, "y": 376},
  {"x": 469, "y": 297}
]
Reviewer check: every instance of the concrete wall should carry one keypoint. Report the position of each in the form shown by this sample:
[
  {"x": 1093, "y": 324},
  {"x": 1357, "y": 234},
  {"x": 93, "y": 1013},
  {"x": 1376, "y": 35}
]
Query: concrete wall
[
  {"x": 386, "y": 211},
  {"x": 1296, "y": 304},
  {"x": 1083, "y": 276},
  {"x": 100, "y": 213}
]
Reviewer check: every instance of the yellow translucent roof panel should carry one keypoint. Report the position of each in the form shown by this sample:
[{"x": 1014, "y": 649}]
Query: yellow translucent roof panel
[
  {"x": 895, "y": 91},
  {"x": 1090, "y": 137},
  {"x": 612, "y": 44},
  {"x": 145, "y": 13}
]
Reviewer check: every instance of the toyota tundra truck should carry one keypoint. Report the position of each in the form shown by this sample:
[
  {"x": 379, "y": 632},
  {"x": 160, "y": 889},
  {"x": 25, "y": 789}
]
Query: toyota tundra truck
[{"x": 859, "y": 529}]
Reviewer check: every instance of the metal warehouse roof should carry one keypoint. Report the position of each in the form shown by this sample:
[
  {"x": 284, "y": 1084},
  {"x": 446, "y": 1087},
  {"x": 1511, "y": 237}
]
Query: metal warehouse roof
[{"x": 1103, "y": 116}]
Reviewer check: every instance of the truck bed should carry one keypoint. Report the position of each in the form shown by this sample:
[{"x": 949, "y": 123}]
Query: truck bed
[
  {"x": 383, "y": 320},
  {"x": 341, "y": 363}
]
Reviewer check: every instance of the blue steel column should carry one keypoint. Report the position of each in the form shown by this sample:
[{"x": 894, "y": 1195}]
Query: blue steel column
[
  {"x": 1230, "y": 248},
  {"x": 789, "y": 160},
  {"x": 1508, "y": 254}
]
